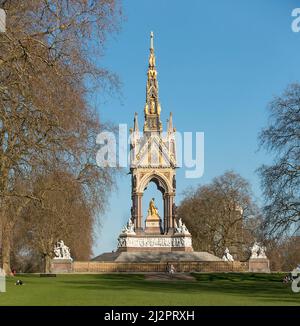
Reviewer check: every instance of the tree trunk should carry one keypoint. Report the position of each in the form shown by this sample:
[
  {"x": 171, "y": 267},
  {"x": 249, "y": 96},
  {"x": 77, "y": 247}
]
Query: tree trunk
[
  {"x": 6, "y": 247},
  {"x": 7, "y": 234},
  {"x": 47, "y": 263},
  {"x": 8, "y": 224}
]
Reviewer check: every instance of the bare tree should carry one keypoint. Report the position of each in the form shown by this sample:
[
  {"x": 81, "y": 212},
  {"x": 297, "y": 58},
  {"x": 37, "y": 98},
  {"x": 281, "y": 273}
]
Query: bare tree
[
  {"x": 47, "y": 66},
  {"x": 62, "y": 213},
  {"x": 218, "y": 215},
  {"x": 281, "y": 180},
  {"x": 284, "y": 253}
]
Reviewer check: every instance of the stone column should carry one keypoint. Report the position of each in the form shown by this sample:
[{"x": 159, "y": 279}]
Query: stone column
[
  {"x": 166, "y": 225},
  {"x": 168, "y": 216},
  {"x": 139, "y": 214},
  {"x": 137, "y": 204},
  {"x": 171, "y": 217},
  {"x": 134, "y": 205}
]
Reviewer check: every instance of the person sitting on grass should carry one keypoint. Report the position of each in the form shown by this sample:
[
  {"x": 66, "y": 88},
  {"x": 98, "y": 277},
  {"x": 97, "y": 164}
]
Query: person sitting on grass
[
  {"x": 288, "y": 278},
  {"x": 19, "y": 282}
]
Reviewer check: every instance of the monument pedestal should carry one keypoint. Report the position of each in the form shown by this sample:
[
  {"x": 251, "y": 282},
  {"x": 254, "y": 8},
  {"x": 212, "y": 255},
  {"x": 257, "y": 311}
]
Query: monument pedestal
[
  {"x": 259, "y": 265},
  {"x": 158, "y": 242},
  {"x": 60, "y": 265},
  {"x": 153, "y": 224}
]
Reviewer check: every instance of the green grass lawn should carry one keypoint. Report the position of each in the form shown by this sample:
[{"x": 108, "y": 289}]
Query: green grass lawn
[{"x": 124, "y": 289}]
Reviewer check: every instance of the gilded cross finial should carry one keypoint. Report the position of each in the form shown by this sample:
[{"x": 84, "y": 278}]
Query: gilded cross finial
[
  {"x": 152, "y": 56},
  {"x": 151, "y": 40}
]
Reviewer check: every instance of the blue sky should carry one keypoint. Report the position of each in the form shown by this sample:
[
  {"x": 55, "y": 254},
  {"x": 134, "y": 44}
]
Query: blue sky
[{"x": 219, "y": 64}]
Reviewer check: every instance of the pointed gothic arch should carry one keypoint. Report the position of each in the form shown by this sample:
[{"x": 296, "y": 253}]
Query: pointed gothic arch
[
  {"x": 163, "y": 178},
  {"x": 162, "y": 183}
]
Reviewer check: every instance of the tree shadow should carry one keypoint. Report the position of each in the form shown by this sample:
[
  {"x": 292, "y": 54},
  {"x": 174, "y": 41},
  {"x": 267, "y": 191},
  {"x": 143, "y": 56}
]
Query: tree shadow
[{"x": 264, "y": 288}]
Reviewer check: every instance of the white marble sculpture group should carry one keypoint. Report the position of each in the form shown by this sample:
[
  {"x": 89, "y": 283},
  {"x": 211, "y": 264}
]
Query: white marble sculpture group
[
  {"x": 128, "y": 228},
  {"x": 61, "y": 251},
  {"x": 154, "y": 241},
  {"x": 181, "y": 228},
  {"x": 258, "y": 251},
  {"x": 227, "y": 256}
]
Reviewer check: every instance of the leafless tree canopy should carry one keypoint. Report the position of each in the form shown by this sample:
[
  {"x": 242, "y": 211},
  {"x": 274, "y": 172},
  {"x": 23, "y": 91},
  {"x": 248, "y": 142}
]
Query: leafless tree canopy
[
  {"x": 281, "y": 180},
  {"x": 284, "y": 253},
  {"x": 48, "y": 65},
  {"x": 221, "y": 214}
]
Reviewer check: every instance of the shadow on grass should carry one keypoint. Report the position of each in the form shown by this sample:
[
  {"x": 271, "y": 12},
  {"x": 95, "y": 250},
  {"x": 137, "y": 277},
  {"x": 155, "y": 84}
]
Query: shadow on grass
[{"x": 263, "y": 287}]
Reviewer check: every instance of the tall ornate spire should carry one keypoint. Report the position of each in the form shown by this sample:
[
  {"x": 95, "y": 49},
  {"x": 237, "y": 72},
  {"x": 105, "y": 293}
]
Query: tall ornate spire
[{"x": 152, "y": 106}]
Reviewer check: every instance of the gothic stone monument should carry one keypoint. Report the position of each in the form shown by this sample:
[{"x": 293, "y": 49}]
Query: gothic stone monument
[
  {"x": 160, "y": 238},
  {"x": 153, "y": 159}
]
